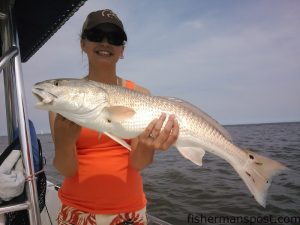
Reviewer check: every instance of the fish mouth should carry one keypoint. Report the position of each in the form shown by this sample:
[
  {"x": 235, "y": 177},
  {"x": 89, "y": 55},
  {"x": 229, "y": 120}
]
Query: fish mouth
[{"x": 44, "y": 97}]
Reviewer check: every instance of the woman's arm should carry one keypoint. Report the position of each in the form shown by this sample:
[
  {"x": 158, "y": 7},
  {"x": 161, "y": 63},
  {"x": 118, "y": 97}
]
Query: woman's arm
[{"x": 64, "y": 135}]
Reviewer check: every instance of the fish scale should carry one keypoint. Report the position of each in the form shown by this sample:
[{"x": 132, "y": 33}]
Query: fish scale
[
  {"x": 197, "y": 126},
  {"x": 193, "y": 126}
]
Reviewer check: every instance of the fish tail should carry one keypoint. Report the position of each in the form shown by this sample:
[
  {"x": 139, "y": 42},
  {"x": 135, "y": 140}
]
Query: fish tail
[{"x": 257, "y": 173}]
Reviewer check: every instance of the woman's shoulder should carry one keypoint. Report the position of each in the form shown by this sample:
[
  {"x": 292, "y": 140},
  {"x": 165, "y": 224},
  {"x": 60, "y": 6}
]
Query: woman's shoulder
[
  {"x": 136, "y": 87},
  {"x": 142, "y": 89}
]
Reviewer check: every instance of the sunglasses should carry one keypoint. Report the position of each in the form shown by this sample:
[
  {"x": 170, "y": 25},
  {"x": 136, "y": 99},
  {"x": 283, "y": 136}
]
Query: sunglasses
[{"x": 98, "y": 35}]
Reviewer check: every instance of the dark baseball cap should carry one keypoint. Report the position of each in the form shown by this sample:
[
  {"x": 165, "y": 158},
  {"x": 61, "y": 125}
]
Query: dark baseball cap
[{"x": 105, "y": 16}]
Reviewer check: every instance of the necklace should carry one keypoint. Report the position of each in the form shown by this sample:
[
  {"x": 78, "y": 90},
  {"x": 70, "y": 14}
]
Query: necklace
[{"x": 119, "y": 80}]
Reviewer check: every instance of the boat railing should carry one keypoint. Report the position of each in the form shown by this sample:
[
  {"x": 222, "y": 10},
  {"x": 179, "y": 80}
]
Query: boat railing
[{"x": 16, "y": 112}]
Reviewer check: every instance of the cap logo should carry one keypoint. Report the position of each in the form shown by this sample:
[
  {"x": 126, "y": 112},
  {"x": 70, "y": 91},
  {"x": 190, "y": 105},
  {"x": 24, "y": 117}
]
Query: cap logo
[{"x": 110, "y": 14}]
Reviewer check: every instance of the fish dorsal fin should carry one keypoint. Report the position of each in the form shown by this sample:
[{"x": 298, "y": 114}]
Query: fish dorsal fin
[
  {"x": 203, "y": 115},
  {"x": 119, "y": 140},
  {"x": 118, "y": 113}
]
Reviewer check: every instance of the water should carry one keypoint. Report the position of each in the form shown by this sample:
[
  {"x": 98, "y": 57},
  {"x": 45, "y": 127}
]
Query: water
[{"x": 182, "y": 193}]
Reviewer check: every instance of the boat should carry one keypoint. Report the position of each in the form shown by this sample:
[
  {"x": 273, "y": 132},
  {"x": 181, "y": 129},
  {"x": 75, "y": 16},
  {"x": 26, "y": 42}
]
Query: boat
[{"x": 22, "y": 34}]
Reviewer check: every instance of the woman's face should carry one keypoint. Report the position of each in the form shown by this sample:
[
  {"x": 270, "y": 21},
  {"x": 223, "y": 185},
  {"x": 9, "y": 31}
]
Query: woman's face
[
  {"x": 103, "y": 44},
  {"x": 102, "y": 52}
]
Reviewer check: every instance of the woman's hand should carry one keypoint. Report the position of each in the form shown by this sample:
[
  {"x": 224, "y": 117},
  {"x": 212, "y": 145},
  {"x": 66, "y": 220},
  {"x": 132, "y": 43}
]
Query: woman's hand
[
  {"x": 153, "y": 138},
  {"x": 65, "y": 134}
]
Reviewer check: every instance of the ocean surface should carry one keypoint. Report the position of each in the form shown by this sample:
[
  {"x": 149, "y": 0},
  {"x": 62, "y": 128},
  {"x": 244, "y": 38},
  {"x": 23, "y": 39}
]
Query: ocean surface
[{"x": 180, "y": 192}]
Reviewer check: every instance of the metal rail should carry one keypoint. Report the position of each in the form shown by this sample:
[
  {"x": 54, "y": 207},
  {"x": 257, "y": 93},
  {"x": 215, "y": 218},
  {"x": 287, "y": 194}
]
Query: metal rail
[
  {"x": 13, "y": 208},
  {"x": 156, "y": 221},
  {"x": 16, "y": 111},
  {"x": 2, "y": 16},
  {"x": 11, "y": 53}
]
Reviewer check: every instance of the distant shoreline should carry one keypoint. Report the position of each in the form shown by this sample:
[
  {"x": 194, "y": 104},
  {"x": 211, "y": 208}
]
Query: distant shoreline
[
  {"x": 257, "y": 124},
  {"x": 225, "y": 125}
]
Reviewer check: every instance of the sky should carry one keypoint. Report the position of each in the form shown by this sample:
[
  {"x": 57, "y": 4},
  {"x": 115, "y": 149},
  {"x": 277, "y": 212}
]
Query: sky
[{"x": 239, "y": 61}]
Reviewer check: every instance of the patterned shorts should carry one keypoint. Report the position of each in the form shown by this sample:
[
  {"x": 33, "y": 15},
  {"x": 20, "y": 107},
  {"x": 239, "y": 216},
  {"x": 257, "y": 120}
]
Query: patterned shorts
[{"x": 71, "y": 216}]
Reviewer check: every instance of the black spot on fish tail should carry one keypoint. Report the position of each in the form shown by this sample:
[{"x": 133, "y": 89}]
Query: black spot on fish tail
[
  {"x": 257, "y": 163},
  {"x": 250, "y": 176}
]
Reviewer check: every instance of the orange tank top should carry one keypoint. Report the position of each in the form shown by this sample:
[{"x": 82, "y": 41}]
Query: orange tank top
[{"x": 104, "y": 183}]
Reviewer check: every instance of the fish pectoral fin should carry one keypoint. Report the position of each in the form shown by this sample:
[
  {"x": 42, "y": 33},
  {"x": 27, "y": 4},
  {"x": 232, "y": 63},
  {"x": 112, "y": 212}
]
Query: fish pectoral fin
[
  {"x": 119, "y": 140},
  {"x": 118, "y": 113},
  {"x": 195, "y": 154}
]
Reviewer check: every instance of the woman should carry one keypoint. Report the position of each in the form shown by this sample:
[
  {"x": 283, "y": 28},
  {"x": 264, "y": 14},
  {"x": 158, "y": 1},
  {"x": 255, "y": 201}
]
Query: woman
[{"x": 102, "y": 183}]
